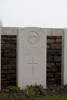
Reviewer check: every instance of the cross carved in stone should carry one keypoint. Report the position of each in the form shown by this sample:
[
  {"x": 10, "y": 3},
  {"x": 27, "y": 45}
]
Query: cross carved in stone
[{"x": 33, "y": 62}]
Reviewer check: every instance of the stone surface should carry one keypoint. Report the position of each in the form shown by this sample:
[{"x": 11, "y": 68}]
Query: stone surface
[
  {"x": 9, "y": 31},
  {"x": 54, "y": 31},
  {"x": 31, "y": 57}
]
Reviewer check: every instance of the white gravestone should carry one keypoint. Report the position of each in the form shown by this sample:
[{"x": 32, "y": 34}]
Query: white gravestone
[
  {"x": 31, "y": 57},
  {"x": 33, "y": 64}
]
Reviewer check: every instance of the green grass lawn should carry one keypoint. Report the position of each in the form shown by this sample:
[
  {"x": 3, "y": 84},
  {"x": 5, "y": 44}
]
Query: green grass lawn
[{"x": 51, "y": 98}]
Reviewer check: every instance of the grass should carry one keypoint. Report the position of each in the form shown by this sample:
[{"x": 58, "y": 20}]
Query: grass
[{"x": 51, "y": 98}]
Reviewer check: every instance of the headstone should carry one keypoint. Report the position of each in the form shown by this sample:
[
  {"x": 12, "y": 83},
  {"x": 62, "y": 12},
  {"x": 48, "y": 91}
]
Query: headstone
[{"x": 31, "y": 57}]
